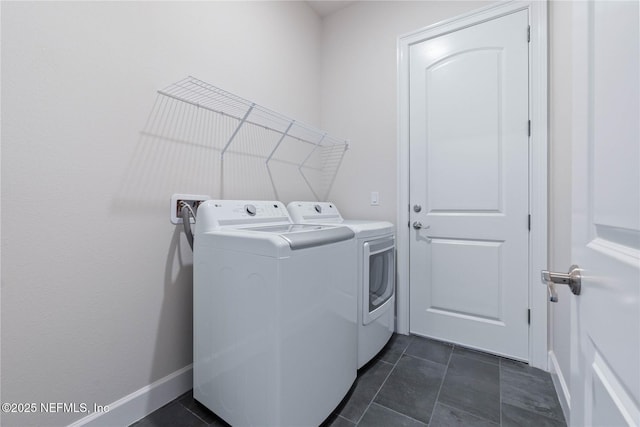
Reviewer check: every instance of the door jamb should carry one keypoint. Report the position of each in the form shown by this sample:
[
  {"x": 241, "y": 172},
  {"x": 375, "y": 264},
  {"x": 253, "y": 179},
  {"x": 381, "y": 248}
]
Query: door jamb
[{"x": 538, "y": 346}]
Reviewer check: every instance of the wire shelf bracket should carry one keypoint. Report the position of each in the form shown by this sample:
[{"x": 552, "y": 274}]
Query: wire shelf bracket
[
  {"x": 304, "y": 163},
  {"x": 266, "y": 162}
]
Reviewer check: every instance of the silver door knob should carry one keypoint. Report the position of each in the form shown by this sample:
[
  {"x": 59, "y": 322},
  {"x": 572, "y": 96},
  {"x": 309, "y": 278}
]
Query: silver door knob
[
  {"x": 572, "y": 279},
  {"x": 418, "y": 225}
]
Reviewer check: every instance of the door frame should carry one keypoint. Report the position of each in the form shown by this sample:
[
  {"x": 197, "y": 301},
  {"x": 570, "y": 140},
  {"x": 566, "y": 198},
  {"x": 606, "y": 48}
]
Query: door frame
[{"x": 538, "y": 347}]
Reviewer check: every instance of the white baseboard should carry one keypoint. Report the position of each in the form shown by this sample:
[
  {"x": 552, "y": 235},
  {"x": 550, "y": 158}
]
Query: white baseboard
[
  {"x": 560, "y": 384},
  {"x": 142, "y": 402}
]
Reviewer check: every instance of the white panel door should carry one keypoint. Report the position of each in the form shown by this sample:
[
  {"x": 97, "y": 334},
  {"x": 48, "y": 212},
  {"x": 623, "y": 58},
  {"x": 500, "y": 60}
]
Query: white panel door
[
  {"x": 469, "y": 159},
  {"x": 605, "y": 318}
]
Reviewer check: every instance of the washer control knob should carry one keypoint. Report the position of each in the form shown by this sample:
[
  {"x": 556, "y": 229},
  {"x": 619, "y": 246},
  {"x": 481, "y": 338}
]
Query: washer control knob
[
  {"x": 250, "y": 209},
  {"x": 318, "y": 208}
]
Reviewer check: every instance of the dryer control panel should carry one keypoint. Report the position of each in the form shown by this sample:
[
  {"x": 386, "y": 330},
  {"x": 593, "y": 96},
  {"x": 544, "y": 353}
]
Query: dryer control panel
[{"x": 307, "y": 212}]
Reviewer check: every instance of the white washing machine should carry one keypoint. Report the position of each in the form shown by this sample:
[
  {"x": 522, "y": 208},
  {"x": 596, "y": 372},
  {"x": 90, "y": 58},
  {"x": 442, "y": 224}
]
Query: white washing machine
[
  {"x": 375, "y": 265},
  {"x": 274, "y": 315}
]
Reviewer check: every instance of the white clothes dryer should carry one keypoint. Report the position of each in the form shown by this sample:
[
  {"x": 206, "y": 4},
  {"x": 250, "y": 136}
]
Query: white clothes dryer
[
  {"x": 375, "y": 272},
  {"x": 274, "y": 315}
]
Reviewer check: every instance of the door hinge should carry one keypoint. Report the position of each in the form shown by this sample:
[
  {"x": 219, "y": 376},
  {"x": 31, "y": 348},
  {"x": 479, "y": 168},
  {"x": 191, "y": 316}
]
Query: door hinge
[
  {"x": 529, "y": 128},
  {"x": 529, "y": 222},
  {"x": 528, "y": 316},
  {"x": 529, "y": 34}
]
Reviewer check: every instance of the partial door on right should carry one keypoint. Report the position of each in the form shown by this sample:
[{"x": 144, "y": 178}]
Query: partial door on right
[
  {"x": 469, "y": 189},
  {"x": 605, "y": 318}
]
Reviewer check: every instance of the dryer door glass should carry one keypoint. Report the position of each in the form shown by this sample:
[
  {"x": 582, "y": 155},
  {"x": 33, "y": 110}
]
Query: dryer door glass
[{"x": 380, "y": 278}]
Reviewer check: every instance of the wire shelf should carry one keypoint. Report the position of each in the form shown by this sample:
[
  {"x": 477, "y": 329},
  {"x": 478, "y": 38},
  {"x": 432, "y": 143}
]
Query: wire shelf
[
  {"x": 204, "y": 95},
  {"x": 250, "y": 125}
]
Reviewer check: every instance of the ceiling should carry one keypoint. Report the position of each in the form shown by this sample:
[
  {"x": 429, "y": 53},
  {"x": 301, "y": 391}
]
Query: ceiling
[{"x": 327, "y": 7}]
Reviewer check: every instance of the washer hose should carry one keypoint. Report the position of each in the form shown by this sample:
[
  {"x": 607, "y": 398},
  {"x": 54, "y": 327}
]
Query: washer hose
[{"x": 186, "y": 212}]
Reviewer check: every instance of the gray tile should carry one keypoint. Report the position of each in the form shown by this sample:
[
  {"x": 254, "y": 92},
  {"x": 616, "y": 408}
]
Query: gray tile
[
  {"x": 428, "y": 349},
  {"x": 473, "y": 386},
  {"x": 412, "y": 387},
  {"x": 173, "y": 414},
  {"x": 446, "y": 416},
  {"x": 364, "y": 389},
  {"x": 529, "y": 388},
  {"x": 467, "y": 394},
  {"x": 395, "y": 347},
  {"x": 200, "y": 410},
  {"x": 476, "y": 354},
  {"x": 512, "y": 416},
  {"x": 474, "y": 369},
  {"x": 337, "y": 421},
  {"x": 379, "y": 416},
  {"x": 522, "y": 367}
]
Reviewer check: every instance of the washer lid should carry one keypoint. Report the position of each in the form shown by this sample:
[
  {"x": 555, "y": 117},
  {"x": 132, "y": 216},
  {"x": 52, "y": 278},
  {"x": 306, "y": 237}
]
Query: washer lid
[{"x": 301, "y": 236}]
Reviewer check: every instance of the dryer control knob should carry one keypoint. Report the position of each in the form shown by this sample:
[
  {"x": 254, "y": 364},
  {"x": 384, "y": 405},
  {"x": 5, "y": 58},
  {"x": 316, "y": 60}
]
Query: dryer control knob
[
  {"x": 250, "y": 209},
  {"x": 318, "y": 208}
]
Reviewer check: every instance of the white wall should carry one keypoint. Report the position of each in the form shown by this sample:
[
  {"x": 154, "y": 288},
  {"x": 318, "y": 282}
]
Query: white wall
[
  {"x": 359, "y": 94},
  {"x": 96, "y": 283},
  {"x": 560, "y": 181}
]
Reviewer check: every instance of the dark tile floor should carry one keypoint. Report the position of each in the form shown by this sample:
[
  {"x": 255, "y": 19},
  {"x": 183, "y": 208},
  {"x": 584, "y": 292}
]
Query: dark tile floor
[{"x": 416, "y": 381}]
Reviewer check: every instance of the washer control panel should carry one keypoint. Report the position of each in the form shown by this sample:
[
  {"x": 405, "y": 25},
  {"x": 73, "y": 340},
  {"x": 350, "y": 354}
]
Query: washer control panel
[
  {"x": 250, "y": 209},
  {"x": 220, "y": 213}
]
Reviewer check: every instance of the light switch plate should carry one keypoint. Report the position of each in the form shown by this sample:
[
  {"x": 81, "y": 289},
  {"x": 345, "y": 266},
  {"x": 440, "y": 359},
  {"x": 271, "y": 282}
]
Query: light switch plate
[{"x": 375, "y": 198}]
